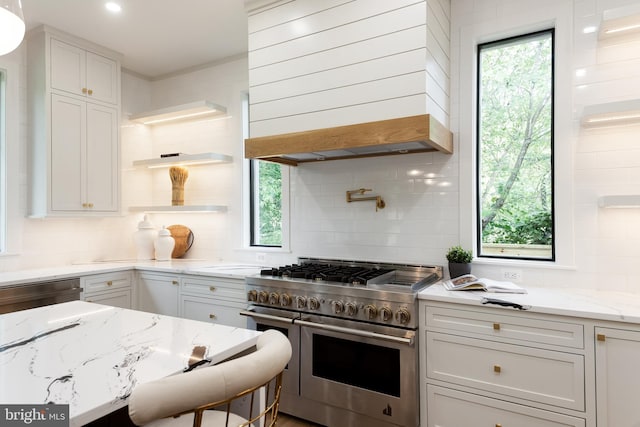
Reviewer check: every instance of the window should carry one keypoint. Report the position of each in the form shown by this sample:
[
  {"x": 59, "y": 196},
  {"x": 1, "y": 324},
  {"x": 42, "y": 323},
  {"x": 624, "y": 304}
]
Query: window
[
  {"x": 515, "y": 147},
  {"x": 266, "y": 203}
]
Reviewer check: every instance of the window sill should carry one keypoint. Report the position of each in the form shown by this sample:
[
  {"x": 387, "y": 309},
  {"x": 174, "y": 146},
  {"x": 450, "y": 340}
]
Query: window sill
[{"x": 549, "y": 265}]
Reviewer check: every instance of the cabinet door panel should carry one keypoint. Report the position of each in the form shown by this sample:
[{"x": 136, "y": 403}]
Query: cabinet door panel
[
  {"x": 158, "y": 294},
  {"x": 102, "y": 157},
  {"x": 451, "y": 408},
  {"x": 617, "y": 378},
  {"x": 68, "y": 132},
  {"x": 102, "y": 78},
  {"x": 67, "y": 67}
]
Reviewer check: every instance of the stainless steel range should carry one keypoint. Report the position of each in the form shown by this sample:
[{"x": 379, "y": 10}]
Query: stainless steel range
[{"x": 353, "y": 329}]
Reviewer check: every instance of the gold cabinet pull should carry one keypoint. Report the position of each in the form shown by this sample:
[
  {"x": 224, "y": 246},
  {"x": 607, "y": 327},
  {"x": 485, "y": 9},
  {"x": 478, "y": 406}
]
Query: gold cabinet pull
[
  {"x": 90, "y": 92},
  {"x": 84, "y": 90},
  {"x": 212, "y": 316},
  {"x": 174, "y": 282},
  {"x": 601, "y": 337},
  {"x": 109, "y": 283},
  {"x": 496, "y": 326},
  {"x": 497, "y": 369},
  {"x": 212, "y": 288},
  {"x": 498, "y": 425}
]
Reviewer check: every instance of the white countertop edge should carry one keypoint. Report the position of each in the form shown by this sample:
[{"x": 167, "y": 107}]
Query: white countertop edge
[
  {"x": 573, "y": 302},
  {"x": 200, "y": 268}
]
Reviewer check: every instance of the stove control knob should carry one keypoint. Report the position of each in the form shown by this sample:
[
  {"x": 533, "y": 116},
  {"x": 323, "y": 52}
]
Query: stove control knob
[
  {"x": 351, "y": 309},
  {"x": 274, "y": 298},
  {"x": 301, "y": 302},
  {"x": 263, "y": 297},
  {"x": 285, "y": 300},
  {"x": 314, "y": 304},
  {"x": 403, "y": 316},
  {"x": 386, "y": 313},
  {"x": 252, "y": 295},
  {"x": 370, "y": 311},
  {"x": 338, "y": 307}
]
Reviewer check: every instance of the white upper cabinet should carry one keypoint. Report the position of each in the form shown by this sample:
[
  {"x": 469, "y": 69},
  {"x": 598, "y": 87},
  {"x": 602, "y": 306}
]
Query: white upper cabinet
[
  {"x": 74, "y": 122},
  {"x": 83, "y": 73},
  {"x": 315, "y": 65}
]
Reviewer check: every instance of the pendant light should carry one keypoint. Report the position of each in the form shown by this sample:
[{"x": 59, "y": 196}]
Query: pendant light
[{"x": 11, "y": 25}]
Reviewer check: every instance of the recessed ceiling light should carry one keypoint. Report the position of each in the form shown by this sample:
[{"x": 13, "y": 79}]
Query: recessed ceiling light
[{"x": 113, "y": 7}]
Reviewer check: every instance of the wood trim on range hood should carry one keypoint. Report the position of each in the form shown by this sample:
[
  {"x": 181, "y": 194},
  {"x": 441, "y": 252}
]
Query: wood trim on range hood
[{"x": 415, "y": 134}]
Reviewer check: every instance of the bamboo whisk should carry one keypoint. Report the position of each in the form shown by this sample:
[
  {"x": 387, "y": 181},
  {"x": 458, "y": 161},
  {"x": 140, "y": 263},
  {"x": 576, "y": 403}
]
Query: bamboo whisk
[{"x": 178, "y": 177}]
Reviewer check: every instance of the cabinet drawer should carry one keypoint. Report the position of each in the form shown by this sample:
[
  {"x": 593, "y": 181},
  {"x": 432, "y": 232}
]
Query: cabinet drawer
[
  {"x": 452, "y": 408},
  {"x": 504, "y": 326},
  {"x": 103, "y": 282},
  {"x": 118, "y": 298},
  {"x": 213, "y": 310},
  {"x": 214, "y": 287},
  {"x": 551, "y": 377}
]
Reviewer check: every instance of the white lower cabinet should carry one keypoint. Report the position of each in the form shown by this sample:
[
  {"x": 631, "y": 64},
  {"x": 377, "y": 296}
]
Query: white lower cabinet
[
  {"x": 618, "y": 376},
  {"x": 213, "y": 300},
  {"x": 453, "y": 408},
  {"x": 158, "y": 293},
  {"x": 115, "y": 289},
  {"x": 484, "y": 366},
  {"x": 208, "y": 299}
]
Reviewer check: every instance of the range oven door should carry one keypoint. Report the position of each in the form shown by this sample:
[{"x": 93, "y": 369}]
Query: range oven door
[
  {"x": 374, "y": 374},
  {"x": 261, "y": 319}
]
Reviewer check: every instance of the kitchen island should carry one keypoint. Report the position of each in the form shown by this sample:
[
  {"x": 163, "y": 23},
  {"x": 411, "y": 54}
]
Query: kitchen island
[{"x": 91, "y": 356}]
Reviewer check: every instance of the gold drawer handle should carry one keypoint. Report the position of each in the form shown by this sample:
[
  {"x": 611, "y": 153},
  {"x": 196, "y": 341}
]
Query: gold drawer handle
[
  {"x": 109, "y": 283},
  {"x": 498, "y": 425},
  {"x": 84, "y": 90},
  {"x": 212, "y": 288},
  {"x": 174, "y": 282},
  {"x": 496, "y": 326},
  {"x": 90, "y": 91},
  {"x": 601, "y": 337},
  {"x": 212, "y": 316},
  {"x": 497, "y": 369}
]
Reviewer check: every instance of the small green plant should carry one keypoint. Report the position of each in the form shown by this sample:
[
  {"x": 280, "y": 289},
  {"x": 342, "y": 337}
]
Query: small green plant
[{"x": 459, "y": 255}]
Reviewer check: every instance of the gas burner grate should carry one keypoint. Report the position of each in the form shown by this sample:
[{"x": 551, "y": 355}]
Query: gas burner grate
[{"x": 355, "y": 275}]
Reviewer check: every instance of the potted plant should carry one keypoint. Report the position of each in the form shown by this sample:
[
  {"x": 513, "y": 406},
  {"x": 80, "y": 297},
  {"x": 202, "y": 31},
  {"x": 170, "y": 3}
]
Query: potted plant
[{"x": 459, "y": 261}]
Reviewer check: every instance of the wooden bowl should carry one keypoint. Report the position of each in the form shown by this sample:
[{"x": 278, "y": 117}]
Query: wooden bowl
[{"x": 183, "y": 237}]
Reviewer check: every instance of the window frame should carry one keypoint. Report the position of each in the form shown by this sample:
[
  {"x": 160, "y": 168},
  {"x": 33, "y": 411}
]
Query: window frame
[
  {"x": 529, "y": 18},
  {"x": 478, "y": 147},
  {"x": 248, "y": 202}
]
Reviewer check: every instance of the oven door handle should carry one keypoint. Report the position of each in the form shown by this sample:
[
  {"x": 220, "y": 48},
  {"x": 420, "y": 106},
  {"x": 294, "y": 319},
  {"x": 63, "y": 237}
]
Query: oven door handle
[
  {"x": 366, "y": 334},
  {"x": 249, "y": 313}
]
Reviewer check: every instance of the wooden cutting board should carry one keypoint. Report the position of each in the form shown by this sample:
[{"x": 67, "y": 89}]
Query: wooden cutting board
[{"x": 183, "y": 237}]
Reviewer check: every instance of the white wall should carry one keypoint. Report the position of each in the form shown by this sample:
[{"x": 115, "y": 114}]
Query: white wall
[
  {"x": 597, "y": 248},
  {"x": 48, "y": 242},
  {"x": 428, "y": 196}
]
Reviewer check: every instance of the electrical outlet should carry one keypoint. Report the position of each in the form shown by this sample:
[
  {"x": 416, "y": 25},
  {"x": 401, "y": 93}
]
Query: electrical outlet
[
  {"x": 261, "y": 257},
  {"x": 512, "y": 275}
]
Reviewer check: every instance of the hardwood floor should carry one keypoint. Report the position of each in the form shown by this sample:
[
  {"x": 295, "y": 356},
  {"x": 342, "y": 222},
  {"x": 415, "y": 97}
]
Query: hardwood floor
[{"x": 285, "y": 420}]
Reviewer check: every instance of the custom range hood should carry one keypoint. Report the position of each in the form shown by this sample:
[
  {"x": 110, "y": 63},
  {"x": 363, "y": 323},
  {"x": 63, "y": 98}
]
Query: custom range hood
[{"x": 415, "y": 134}]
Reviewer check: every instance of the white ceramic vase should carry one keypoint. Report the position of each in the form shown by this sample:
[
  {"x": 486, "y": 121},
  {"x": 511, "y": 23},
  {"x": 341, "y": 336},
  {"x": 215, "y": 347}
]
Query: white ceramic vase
[
  {"x": 144, "y": 239},
  {"x": 164, "y": 244}
]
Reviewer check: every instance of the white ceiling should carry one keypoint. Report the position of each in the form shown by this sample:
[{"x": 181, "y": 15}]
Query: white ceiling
[{"x": 155, "y": 37}]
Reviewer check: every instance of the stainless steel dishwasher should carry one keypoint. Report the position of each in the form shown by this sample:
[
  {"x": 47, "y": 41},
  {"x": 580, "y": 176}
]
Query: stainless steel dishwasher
[{"x": 37, "y": 294}]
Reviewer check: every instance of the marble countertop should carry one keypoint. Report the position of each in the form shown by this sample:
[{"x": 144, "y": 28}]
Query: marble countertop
[
  {"x": 91, "y": 355},
  {"x": 575, "y": 302},
  {"x": 196, "y": 267}
]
